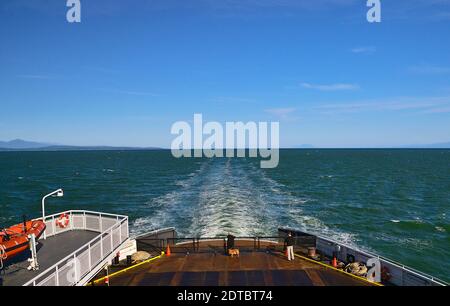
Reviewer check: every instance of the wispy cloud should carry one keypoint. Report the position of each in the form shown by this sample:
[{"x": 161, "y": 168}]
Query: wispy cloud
[
  {"x": 132, "y": 93},
  {"x": 317, "y": 4},
  {"x": 442, "y": 16},
  {"x": 438, "y": 110},
  {"x": 424, "y": 10},
  {"x": 137, "y": 93},
  {"x": 425, "y": 105},
  {"x": 35, "y": 76},
  {"x": 223, "y": 99},
  {"x": 365, "y": 50},
  {"x": 330, "y": 87},
  {"x": 282, "y": 113},
  {"x": 101, "y": 69},
  {"x": 115, "y": 8},
  {"x": 429, "y": 69}
]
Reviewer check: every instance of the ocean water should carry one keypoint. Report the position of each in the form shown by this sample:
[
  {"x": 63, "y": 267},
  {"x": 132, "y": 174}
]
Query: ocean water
[{"x": 393, "y": 202}]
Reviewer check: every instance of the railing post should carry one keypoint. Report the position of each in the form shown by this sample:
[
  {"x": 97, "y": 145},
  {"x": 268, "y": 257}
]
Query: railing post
[
  {"x": 101, "y": 245},
  {"x": 56, "y": 277},
  {"x": 100, "y": 222},
  {"x": 75, "y": 267},
  {"x": 84, "y": 220},
  {"x": 53, "y": 225},
  {"x": 89, "y": 257},
  {"x": 120, "y": 232},
  {"x": 112, "y": 240}
]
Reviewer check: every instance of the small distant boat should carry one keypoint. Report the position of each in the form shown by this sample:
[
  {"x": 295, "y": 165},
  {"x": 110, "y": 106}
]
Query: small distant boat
[{"x": 14, "y": 240}]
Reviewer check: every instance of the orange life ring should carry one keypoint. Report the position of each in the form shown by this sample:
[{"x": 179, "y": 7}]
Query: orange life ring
[{"x": 62, "y": 221}]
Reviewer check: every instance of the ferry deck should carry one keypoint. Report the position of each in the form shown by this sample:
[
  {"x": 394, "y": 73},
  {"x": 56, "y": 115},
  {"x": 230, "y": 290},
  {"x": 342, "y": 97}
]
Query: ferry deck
[
  {"x": 261, "y": 262},
  {"x": 267, "y": 266}
]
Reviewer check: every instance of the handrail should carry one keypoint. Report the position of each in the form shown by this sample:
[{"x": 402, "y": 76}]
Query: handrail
[
  {"x": 225, "y": 237},
  {"x": 187, "y": 241},
  {"x": 101, "y": 213},
  {"x": 81, "y": 211},
  {"x": 120, "y": 220},
  {"x": 53, "y": 215},
  {"x": 154, "y": 232}
]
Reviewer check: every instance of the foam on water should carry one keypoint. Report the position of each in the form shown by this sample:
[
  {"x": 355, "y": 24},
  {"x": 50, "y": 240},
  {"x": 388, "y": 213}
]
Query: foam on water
[
  {"x": 231, "y": 196},
  {"x": 440, "y": 229}
]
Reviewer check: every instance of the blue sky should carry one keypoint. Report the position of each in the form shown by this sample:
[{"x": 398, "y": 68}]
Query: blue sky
[{"x": 132, "y": 68}]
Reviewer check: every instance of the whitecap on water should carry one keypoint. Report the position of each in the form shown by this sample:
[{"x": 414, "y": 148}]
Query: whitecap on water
[
  {"x": 182, "y": 183},
  {"x": 440, "y": 229},
  {"x": 418, "y": 220}
]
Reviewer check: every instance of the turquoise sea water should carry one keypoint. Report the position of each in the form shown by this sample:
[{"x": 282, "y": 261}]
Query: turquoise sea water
[{"x": 393, "y": 202}]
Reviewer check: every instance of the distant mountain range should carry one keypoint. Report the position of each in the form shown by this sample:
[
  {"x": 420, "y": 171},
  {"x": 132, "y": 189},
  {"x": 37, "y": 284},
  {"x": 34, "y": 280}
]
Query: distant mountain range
[
  {"x": 443, "y": 145},
  {"x": 303, "y": 146},
  {"x": 19, "y": 144},
  {"x": 23, "y": 145}
]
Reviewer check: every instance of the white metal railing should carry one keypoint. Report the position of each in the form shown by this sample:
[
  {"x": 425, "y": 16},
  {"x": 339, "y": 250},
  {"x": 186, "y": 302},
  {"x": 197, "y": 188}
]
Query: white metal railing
[
  {"x": 155, "y": 233},
  {"x": 401, "y": 275},
  {"x": 81, "y": 220},
  {"x": 82, "y": 264}
]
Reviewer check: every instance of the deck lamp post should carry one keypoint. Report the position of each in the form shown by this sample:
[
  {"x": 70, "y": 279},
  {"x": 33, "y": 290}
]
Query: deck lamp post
[{"x": 56, "y": 193}]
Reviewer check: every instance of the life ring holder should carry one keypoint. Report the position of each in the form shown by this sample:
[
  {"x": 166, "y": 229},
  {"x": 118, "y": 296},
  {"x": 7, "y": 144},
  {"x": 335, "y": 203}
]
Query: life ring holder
[
  {"x": 63, "y": 221},
  {"x": 385, "y": 274}
]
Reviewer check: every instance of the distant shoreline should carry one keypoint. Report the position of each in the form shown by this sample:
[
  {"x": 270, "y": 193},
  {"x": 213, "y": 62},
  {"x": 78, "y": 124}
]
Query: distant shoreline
[
  {"x": 75, "y": 149},
  {"x": 23, "y": 145},
  {"x": 165, "y": 149}
]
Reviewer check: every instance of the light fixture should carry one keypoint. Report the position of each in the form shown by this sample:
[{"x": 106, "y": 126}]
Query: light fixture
[{"x": 56, "y": 193}]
